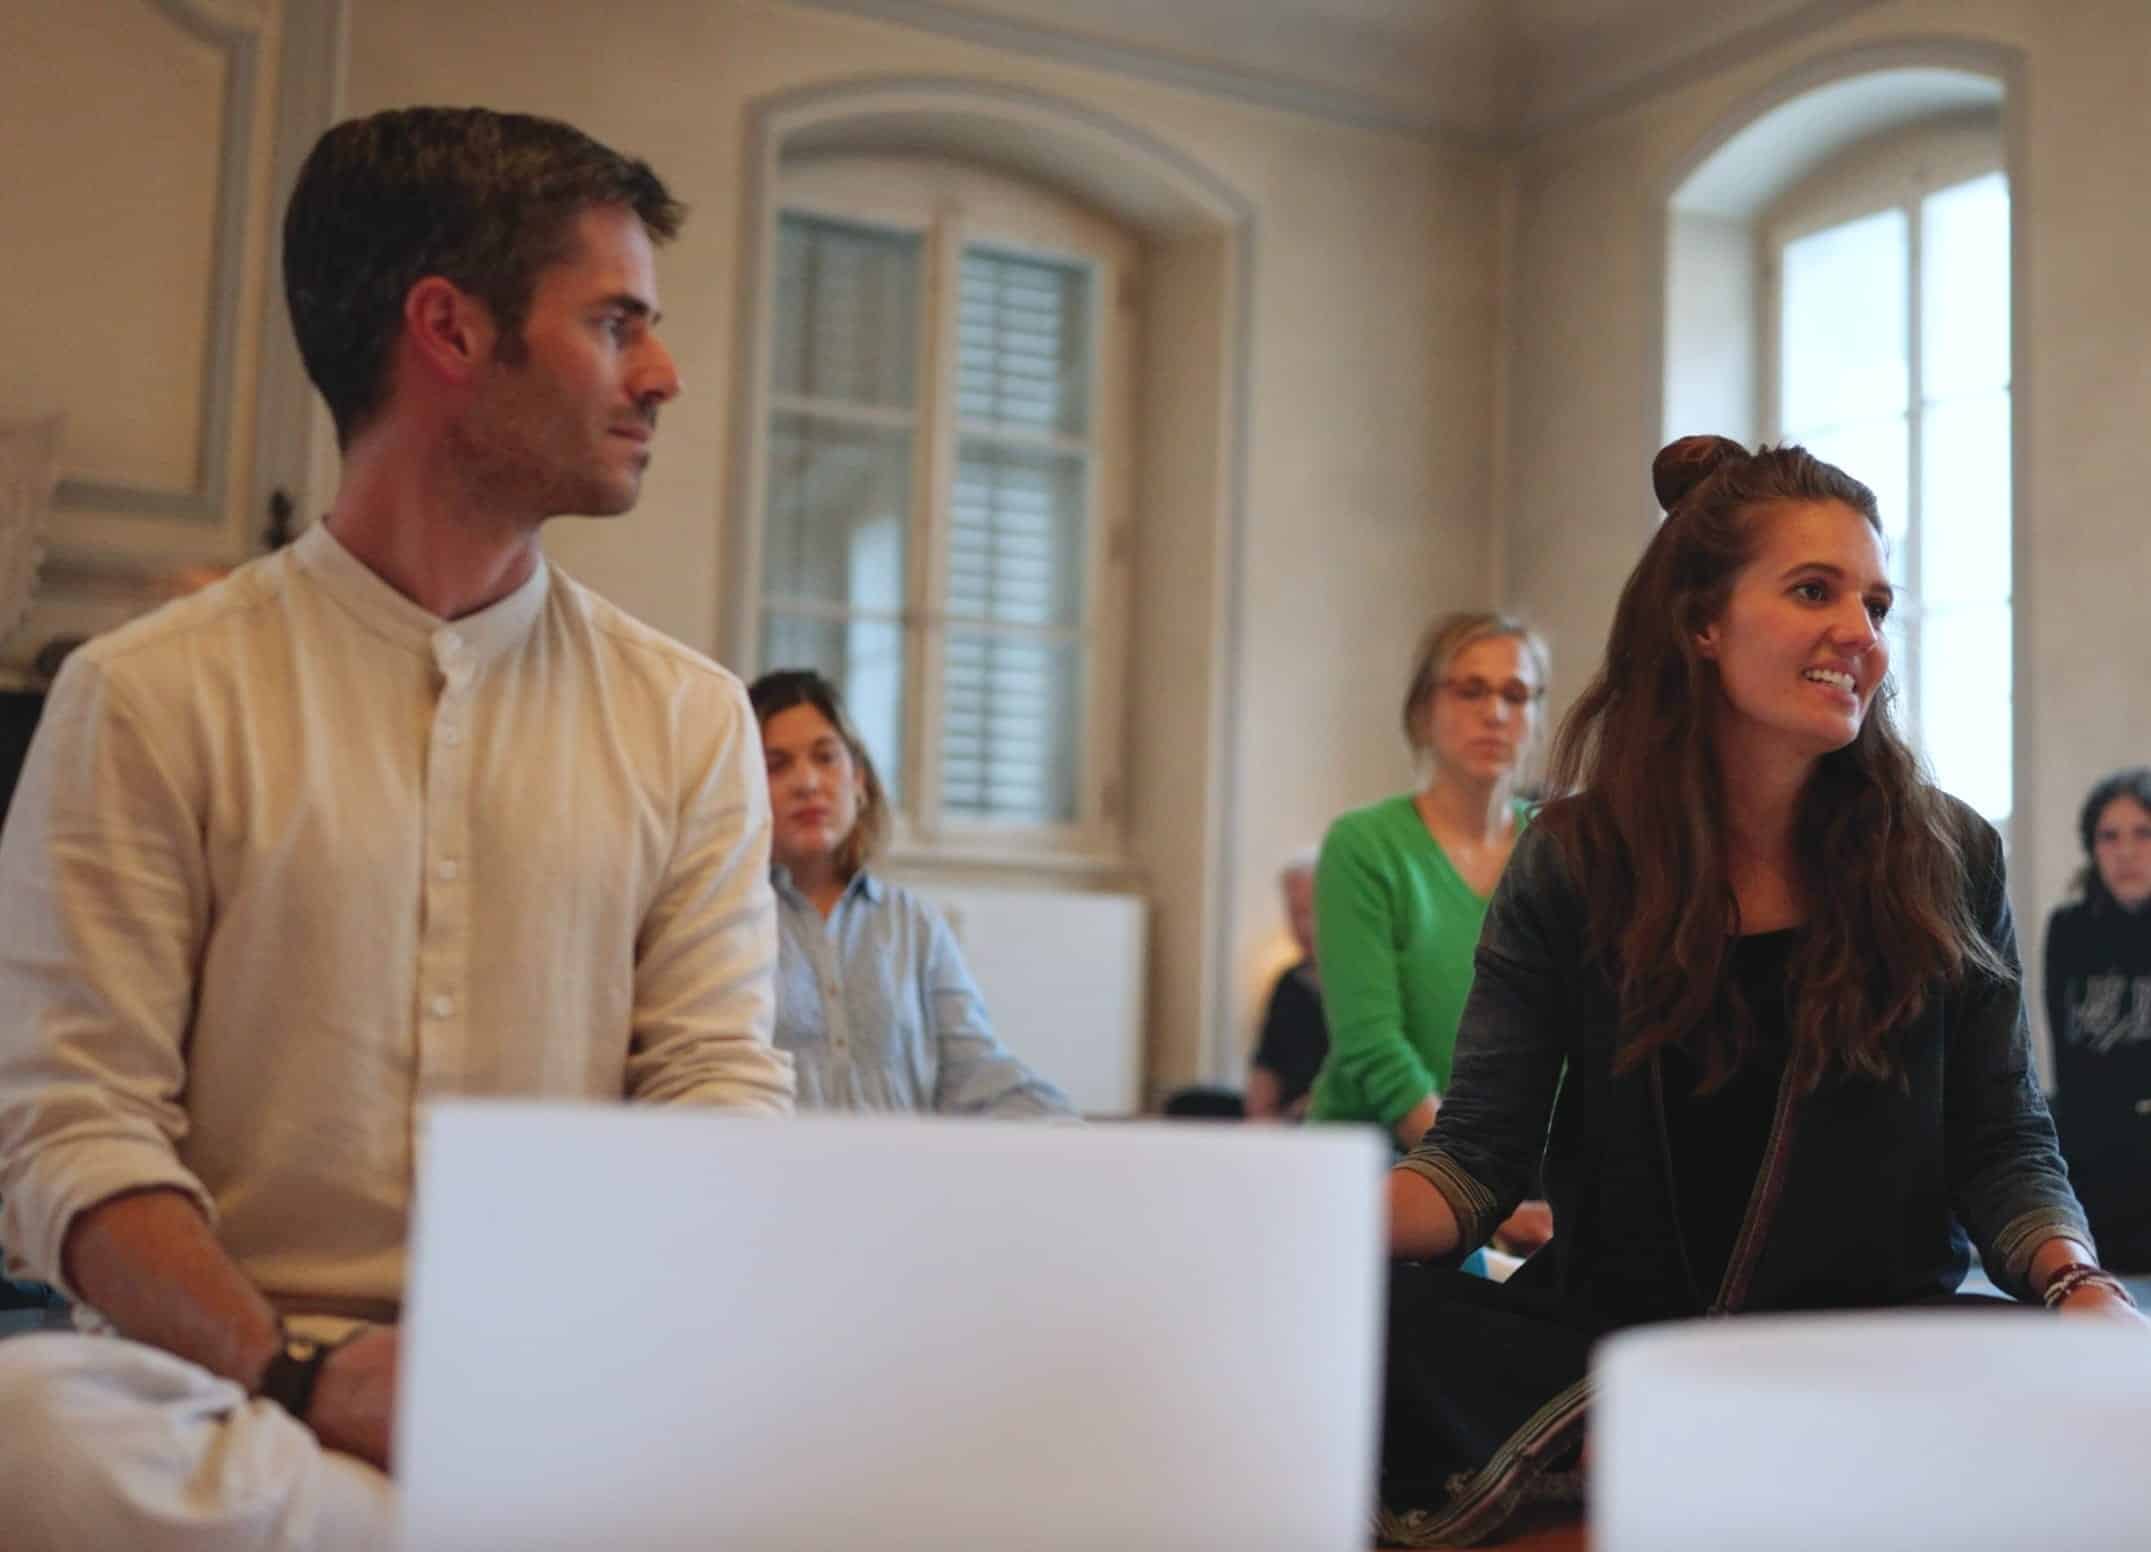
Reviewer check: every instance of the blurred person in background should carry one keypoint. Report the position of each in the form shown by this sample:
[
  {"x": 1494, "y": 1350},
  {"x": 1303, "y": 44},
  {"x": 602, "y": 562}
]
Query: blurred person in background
[
  {"x": 1401, "y": 885},
  {"x": 1295, "y": 1036},
  {"x": 2098, "y": 1009}
]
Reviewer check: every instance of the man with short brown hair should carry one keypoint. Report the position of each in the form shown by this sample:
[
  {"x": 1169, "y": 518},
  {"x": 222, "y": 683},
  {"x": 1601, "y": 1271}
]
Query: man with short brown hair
[{"x": 399, "y": 812}]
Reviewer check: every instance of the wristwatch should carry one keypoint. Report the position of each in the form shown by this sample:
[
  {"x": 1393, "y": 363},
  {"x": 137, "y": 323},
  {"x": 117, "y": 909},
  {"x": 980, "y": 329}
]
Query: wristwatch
[{"x": 292, "y": 1372}]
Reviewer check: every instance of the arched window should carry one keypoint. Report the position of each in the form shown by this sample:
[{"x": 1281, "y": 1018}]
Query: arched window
[
  {"x": 1838, "y": 274},
  {"x": 1887, "y": 293},
  {"x": 945, "y": 478}
]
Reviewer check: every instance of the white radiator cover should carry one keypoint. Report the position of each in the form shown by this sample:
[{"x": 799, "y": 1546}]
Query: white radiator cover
[{"x": 1062, "y": 973}]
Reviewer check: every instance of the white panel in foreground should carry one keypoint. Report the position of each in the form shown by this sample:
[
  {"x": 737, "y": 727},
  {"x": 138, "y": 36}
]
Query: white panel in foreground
[
  {"x": 655, "y": 1329},
  {"x": 1965, "y": 1430}
]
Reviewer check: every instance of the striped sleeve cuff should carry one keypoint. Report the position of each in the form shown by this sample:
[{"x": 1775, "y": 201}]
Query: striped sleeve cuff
[
  {"x": 1474, "y": 1205},
  {"x": 2020, "y": 1240}
]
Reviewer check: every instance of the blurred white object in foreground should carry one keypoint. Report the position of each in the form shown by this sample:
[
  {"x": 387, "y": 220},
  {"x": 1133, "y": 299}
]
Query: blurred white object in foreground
[{"x": 1945, "y": 1428}]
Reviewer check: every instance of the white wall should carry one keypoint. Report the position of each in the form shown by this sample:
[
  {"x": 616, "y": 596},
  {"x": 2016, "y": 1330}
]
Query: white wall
[
  {"x": 1061, "y": 973},
  {"x": 1711, "y": 329},
  {"x": 1583, "y": 391},
  {"x": 1369, "y": 361}
]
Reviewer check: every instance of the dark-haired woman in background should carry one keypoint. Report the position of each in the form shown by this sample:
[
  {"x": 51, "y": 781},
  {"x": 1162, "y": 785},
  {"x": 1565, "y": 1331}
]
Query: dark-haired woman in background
[
  {"x": 1761, "y": 980},
  {"x": 2098, "y": 1006},
  {"x": 874, "y": 1001}
]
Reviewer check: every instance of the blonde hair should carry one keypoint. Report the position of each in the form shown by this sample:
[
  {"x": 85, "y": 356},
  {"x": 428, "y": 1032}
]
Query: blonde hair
[{"x": 1449, "y": 635}]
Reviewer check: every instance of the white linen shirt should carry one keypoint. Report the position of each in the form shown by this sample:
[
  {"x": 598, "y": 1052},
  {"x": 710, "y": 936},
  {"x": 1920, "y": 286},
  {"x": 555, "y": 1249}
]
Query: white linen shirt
[{"x": 293, "y": 856}]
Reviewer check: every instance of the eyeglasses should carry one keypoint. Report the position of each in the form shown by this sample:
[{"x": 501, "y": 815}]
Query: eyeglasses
[{"x": 1515, "y": 692}]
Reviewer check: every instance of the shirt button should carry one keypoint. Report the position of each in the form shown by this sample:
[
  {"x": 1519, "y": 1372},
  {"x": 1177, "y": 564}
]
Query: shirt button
[
  {"x": 448, "y": 870},
  {"x": 450, "y": 642},
  {"x": 442, "y": 1006},
  {"x": 450, "y": 737}
]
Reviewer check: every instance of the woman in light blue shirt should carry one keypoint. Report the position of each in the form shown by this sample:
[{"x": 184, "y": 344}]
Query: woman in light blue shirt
[{"x": 873, "y": 999}]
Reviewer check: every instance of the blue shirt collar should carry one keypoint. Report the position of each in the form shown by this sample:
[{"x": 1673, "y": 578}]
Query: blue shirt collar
[{"x": 862, "y": 883}]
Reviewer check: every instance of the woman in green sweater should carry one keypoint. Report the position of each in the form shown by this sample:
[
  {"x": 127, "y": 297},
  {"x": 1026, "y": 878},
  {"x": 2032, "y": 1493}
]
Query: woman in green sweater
[{"x": 1402, "y": 885}]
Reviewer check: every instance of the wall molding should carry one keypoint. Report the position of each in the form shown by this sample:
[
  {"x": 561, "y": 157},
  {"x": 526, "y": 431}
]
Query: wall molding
[
  {"x": 205, "y": 500},
  {"x": 311, "y": 66},
  {"x": 1998, "y": 62},
  {"x": 1333, "y": 105},
  {"x": 1338, "y": 105},
  {"x": 1621, "y": 96}
]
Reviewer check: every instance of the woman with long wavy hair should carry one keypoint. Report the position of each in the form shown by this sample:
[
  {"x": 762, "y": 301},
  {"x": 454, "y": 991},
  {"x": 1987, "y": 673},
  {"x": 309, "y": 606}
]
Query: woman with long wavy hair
[{"x": 1752, "y": 988}]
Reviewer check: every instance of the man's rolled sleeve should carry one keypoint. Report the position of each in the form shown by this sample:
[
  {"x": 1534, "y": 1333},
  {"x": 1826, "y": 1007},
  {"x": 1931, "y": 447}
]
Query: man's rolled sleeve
[
  {"x": 103, "y": 910},
  {"x": 705, "y": 961},
  {"x": 70, "y": 1177}
]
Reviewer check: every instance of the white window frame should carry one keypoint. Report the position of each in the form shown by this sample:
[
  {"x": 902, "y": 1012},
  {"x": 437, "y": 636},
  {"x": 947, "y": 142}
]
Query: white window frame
[
  {"x": 951, "y": 206},
  {"x": 1896, "y": 171}
]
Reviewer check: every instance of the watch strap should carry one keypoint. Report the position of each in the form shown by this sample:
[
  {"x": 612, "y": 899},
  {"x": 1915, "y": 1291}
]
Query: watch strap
[{"x": 292, "y": 1372}]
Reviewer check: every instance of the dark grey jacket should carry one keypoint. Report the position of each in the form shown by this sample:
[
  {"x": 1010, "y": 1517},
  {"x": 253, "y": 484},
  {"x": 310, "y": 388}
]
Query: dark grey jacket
[{"x": 1868, "y": 1189}]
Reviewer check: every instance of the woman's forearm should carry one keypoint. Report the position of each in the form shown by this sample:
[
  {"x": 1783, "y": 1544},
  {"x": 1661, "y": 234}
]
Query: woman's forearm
[
  {"x": 2053, "y": 1255},
  {"x": 1416, "y": 1122},
  {"x": 1422, "y": 1225}
]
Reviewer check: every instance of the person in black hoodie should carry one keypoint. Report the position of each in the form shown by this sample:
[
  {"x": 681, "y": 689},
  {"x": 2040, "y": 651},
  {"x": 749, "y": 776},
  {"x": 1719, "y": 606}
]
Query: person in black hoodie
[{"x": 2098, "y": 1009}]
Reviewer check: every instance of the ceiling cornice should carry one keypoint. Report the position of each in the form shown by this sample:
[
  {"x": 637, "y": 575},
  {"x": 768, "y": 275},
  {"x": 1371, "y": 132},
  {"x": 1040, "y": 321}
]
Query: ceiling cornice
[
  {"x": 1619, "y": 96},
  {"x": 1335, "y": 105}
]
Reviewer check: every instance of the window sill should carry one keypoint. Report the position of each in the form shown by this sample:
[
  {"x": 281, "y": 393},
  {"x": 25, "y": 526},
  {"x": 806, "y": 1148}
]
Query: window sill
[{"x": 1001, "y": 865}]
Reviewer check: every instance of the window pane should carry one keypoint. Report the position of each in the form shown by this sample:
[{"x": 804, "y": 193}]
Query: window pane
[
  {"x": 1842, "y": 330},
  {"x": 1965, "y": 703},
  {"x": 1896, "y": 631},
  {"x": 1012, "y": 728},
  {"x": 1016, "y": 536},
  {"x": 865, "y": 660},
  {"x": 839, "y": 499},
  {"x": 1965, "y": 278},
  {"x": 1023, "y": 343},
  {"x": 1877, "y": 453},
  {"x": 847, "y": 312},
  {"x": 1964, "y": 473}
]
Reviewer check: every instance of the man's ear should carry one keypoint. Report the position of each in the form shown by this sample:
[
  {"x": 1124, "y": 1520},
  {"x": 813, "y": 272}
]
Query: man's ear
[{"x": 451, "y": 332}]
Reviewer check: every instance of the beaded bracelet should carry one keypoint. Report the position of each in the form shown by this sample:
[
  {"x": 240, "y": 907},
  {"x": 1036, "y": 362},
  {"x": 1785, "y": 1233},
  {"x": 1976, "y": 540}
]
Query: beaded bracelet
[
  {"x": 2077, "y": 1274},
  {"x": 2066, "y": 1280}
]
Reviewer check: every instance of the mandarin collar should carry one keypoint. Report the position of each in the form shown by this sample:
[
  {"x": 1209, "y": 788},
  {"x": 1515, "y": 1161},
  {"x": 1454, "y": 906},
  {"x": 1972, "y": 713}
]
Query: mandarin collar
[{"x": 490, "y": 633}]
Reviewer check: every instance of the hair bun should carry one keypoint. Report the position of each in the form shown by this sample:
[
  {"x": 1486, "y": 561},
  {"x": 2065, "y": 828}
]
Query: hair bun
[{"x": 1681, "y": 466}]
